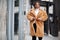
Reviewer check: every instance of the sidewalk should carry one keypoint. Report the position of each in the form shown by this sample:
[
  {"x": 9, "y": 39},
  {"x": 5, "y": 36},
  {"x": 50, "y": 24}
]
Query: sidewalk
[
  {"x": 46, "y": 37},
  {"x": 28, "y": 37}
]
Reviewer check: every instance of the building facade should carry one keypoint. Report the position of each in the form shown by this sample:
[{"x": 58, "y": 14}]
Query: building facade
[
  {"x": 3, "y": 11},
  {"x": 27, "y": 6}
]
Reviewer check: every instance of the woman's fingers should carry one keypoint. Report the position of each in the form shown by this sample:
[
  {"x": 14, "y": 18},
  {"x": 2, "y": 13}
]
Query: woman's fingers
[
  {"x": 39, "y": 19},
  {"x": 32, "y": 18}
]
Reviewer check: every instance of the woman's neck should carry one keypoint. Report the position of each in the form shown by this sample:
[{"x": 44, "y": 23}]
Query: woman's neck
[{"x": 37, "y": 8}]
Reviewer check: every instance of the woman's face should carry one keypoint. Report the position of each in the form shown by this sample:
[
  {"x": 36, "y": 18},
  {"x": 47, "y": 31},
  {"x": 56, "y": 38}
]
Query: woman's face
[{"x": 37, "y": 5}]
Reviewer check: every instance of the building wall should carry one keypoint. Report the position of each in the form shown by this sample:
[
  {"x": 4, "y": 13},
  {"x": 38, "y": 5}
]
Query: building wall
[
  {"x": 57, "y": 10},
  {"x": 3, "y": 11}
]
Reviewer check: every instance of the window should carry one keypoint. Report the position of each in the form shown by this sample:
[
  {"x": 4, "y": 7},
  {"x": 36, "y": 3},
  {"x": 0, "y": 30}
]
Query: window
[
  {"x": 47, "y": 0},
  {"x": 16, "y": 2}
]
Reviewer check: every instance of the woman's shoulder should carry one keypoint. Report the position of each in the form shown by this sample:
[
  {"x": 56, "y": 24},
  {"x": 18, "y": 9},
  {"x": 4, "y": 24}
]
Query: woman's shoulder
[
  {"x": 31, "y": 9},
  {"x": 42, "y": 10}
]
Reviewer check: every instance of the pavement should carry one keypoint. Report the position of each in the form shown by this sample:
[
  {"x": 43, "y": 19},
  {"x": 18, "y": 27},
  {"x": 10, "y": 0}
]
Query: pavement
[
  {"x": 28, "y": 37},
  {"x": 46, "y": 37}
]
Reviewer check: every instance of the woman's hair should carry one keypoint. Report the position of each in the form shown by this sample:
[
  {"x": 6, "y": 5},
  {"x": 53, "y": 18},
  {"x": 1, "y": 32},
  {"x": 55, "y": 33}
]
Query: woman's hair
[{"x": 34, "y": 3}]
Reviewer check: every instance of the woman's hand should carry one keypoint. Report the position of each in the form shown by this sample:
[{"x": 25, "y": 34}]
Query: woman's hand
[
  {"x": 33, "y": 18},
  {"x": 39, "y": 19},
  {"x": 31, "y": 11}
]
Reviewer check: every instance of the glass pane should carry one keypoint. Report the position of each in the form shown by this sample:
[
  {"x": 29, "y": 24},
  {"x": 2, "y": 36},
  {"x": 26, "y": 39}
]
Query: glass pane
[
  {"x": 16, "y": 19},
  {"x": 16, "y": 2},
  {"x": 43, "y": 8},
  {"x": 51, "y": 0},
  {"x": 51, "y": 9},
  {"x": 47, "y": 0},
  {"x": 16, "y": 25}
]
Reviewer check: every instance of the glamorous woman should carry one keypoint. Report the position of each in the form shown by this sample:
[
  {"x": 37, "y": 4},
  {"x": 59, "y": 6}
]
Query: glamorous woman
[{"x": 37, "y": 16}]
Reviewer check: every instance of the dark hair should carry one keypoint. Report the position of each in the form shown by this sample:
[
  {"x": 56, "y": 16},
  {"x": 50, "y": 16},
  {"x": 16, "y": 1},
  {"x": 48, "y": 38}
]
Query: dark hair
[{"x": 34, "y": 3}]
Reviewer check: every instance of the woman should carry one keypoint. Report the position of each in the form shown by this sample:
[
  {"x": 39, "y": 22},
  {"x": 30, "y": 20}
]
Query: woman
[{"x": 36, "y": 16}]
